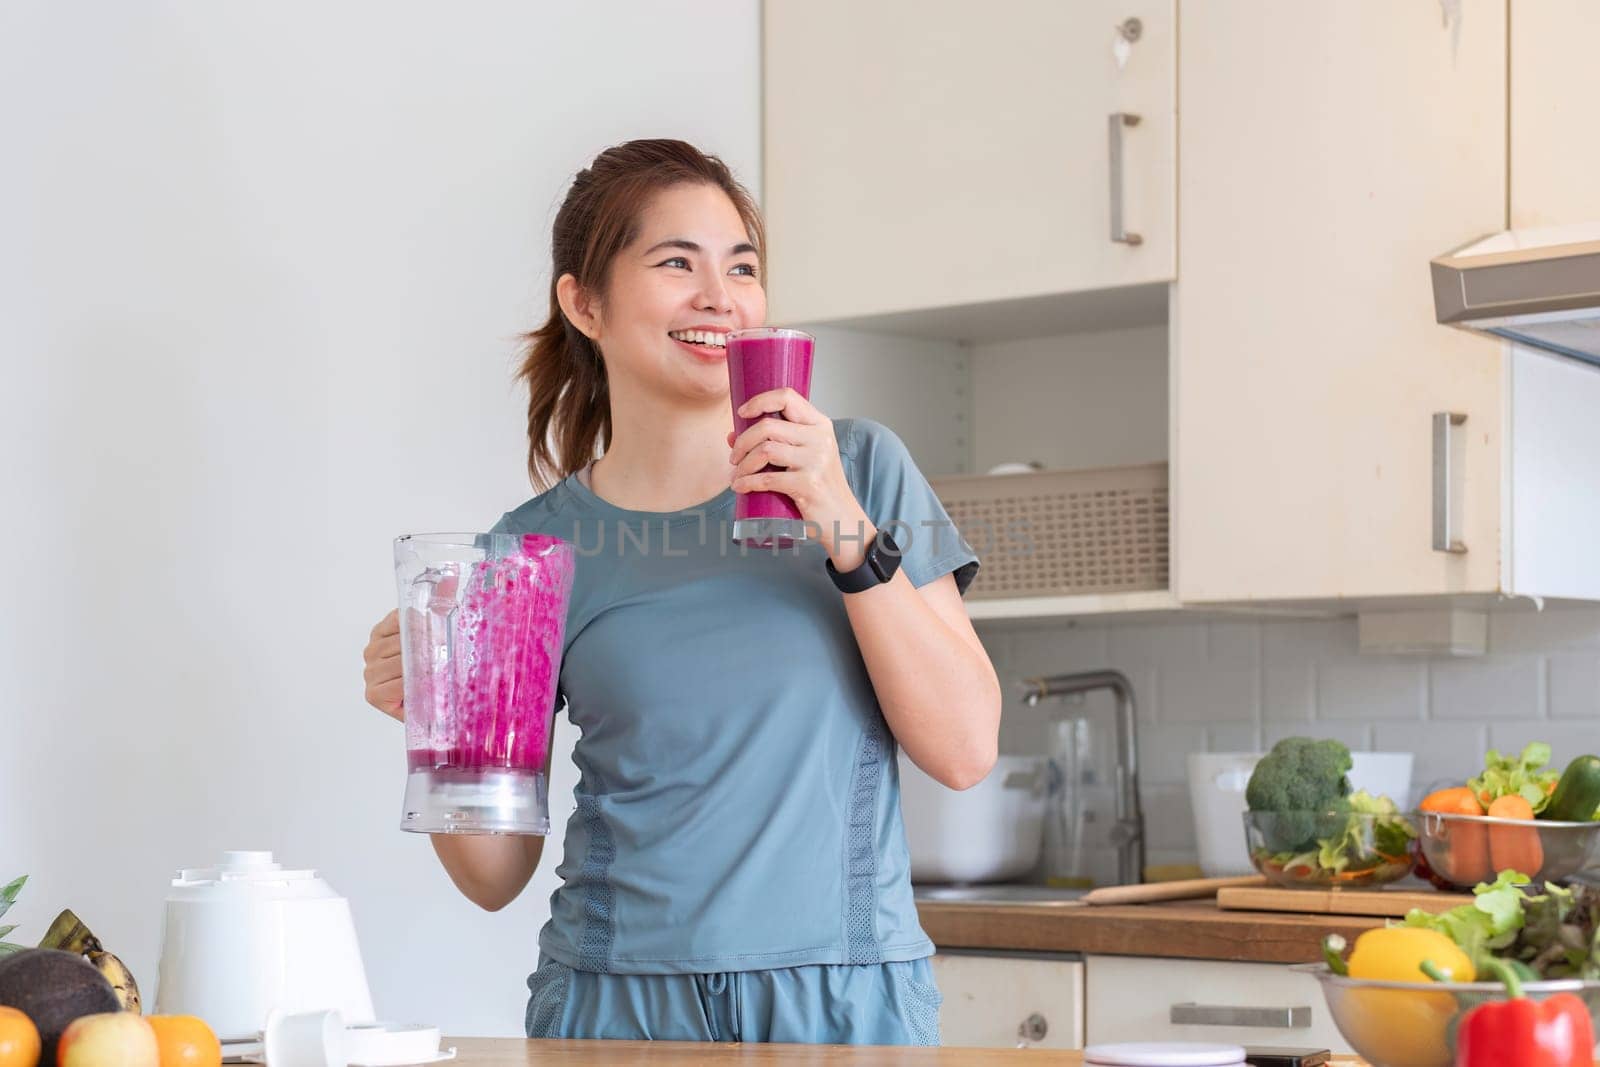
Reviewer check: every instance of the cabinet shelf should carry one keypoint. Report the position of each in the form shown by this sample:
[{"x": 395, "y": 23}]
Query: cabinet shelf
[
  {"x": 1113, "y": 308},
  {"x": 1055, "y": 607}
]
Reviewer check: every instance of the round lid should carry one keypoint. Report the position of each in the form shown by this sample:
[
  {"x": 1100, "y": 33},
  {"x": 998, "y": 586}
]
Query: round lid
[
  {"x": 247, "y": 872},
  {"x": 1164, "y": 1054}
]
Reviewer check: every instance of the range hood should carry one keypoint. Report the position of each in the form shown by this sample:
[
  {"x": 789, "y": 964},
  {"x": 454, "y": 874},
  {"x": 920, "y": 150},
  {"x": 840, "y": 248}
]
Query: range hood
[{"x": 1536, "y": 287}]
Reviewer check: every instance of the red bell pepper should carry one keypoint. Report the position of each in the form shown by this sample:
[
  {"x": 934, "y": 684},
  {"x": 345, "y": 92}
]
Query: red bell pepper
[{"x": 1554, "y": 1032}]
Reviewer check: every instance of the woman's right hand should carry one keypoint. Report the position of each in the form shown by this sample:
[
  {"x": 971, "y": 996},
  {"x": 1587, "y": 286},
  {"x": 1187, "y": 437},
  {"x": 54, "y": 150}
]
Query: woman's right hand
[{"x": 385, "y": 690}]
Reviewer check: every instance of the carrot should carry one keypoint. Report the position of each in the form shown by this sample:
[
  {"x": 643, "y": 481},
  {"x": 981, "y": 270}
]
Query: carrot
[
  {"x": 1513, "y": 847},
  {"x": 1464, "y": 859},
  {"x": 1458, "y": 801}
]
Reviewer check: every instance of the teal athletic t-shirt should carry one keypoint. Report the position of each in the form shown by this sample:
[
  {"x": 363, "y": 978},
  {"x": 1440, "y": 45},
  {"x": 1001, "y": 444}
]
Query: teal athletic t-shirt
[{"x": 738, "y": 801}]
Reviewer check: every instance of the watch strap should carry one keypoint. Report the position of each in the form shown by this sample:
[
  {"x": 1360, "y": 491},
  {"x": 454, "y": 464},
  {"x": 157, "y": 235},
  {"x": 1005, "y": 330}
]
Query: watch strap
[{"x": 878, "y": 568}]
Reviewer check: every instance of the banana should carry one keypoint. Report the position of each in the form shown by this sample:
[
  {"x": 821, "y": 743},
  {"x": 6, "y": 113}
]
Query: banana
[
  {"x": 119, "y": 976},
  {"x": 70, "y": 934}
]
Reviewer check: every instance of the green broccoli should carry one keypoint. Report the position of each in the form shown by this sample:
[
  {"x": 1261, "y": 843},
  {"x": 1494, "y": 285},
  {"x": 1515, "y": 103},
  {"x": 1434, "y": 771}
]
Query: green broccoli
[{"x": 1299, "y": 780}]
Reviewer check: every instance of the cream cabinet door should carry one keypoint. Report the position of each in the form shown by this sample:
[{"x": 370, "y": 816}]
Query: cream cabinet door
[
  {"x": 1137, "y": 998},
  {"x": 1001, "y": 1001},
  {"x": 923, "y": 153},
  {"x": 1328, "y": 152},
  {"x": 1555, "y": 84}
]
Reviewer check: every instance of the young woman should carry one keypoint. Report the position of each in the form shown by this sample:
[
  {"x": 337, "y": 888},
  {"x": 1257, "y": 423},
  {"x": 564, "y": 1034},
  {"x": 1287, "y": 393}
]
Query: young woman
[{"x": 736, "y": 869}]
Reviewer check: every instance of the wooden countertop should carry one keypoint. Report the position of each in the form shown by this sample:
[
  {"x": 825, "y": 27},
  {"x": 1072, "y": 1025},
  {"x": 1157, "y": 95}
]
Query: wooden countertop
[
  {"x": 1188, "y": 929},
  {"x": 509, "y": 1052}
]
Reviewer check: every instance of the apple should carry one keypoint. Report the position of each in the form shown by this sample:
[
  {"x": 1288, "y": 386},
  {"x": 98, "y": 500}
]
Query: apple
[{"x": 108, "y": 1039}]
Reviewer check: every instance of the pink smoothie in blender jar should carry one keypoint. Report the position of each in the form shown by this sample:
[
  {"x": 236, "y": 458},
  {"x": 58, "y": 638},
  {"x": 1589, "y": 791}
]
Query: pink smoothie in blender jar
[
  {"x": 758, "y": 360},
  {"x": 482, "y": 619}
]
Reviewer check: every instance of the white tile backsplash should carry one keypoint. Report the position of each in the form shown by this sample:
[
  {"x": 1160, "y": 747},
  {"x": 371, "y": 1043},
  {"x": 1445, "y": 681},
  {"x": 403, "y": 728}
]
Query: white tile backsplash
[
  {"x": 1234, "y": 644},
  {"x": 1058, "y": 651},
  {"x": 1573, "y": 685},
  {"x": 1540, "y": 633},
  {"x": 1307, "y": 640},
  {"x": 1357, "y": 687},
  {"x": 1443, "y": 754},
  {"x": 1233, "y": 737},
  {"x": 1357, "y": 736},
  {"x": 1211, "y": 694},
  {"x": 1241, "y": 685},
  {"x": 1158, "y": 645},
  {"x": 1168, "y": 821},
  {"x": 1567, "y": 739},
  {"x": 1508, "y": 687},
  {"x": 1163, "y": 752}
]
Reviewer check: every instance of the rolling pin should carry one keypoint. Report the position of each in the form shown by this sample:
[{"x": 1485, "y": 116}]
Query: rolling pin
[{"x": 1189, "y": 888}]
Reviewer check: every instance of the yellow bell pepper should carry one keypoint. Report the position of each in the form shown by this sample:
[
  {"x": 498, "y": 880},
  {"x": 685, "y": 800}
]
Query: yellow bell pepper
[
  {"x": 1395, "y": 954},
  {"x": 1411, "y": 1028}
]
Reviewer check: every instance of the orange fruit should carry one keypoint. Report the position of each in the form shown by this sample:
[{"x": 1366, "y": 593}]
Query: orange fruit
[
  {"x": 19, "y": 1039},
  {"x": 185, "y": 1041}
]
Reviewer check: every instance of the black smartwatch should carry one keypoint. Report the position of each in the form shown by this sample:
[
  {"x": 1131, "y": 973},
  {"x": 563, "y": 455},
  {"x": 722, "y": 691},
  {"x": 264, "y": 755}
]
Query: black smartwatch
[{"x": 883, "y": 559}]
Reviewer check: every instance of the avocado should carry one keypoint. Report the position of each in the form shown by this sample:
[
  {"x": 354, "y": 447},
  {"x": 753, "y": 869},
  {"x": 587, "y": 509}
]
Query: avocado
[{"x": 53, "y": 988}]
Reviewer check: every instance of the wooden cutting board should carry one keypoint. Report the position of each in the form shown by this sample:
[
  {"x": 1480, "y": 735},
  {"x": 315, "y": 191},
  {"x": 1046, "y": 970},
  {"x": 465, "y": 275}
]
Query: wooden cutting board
[{"x": 1393, "y": 903}]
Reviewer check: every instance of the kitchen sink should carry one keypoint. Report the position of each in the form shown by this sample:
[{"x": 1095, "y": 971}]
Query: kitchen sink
[{"x": 996, "y": 894}]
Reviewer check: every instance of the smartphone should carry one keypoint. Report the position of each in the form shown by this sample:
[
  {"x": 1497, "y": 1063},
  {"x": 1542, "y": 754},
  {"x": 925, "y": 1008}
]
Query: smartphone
[{"x": 1278, "y": 1056}]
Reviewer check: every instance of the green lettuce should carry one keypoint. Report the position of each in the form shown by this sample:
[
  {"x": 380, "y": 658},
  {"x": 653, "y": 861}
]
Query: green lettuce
[
  {"x": 1346, "y": 847},
  {"x": 1487, "y": 926},
  {"x": 1506, "y": 775}
]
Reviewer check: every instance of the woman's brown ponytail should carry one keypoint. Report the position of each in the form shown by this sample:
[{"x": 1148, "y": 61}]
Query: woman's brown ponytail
[{"x": 569, "y": 400}]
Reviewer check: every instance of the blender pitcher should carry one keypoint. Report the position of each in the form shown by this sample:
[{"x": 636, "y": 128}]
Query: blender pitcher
[
  {"x": 1069, "y": 811},
  {"x": 482, "y": 620}
]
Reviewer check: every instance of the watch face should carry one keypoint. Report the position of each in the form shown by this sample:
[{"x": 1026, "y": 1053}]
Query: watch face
[
  {"x": 876, "y": 560},
  {"x": 883, "y": 556}
]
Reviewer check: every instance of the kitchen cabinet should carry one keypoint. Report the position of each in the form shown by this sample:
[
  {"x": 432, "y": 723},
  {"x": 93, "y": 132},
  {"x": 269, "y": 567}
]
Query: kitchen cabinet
[
  {"x": 1001, "y": 1001},
  {"x": 1330, "y": 446},
  {"x": 924, "y": 153},
  {"x": 1554, "y": 86},
  {"x": 1333, "y": 442},
  {"x": 1139, "y": 998},
  {"x": 1329, "y": 152}
]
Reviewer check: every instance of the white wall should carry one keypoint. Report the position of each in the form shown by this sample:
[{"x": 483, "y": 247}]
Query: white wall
[{"x": 261, "y": 272}]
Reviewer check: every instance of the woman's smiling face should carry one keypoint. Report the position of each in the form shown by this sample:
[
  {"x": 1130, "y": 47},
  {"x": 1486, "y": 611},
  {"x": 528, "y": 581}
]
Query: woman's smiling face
[{"x": 688, "y": 278}]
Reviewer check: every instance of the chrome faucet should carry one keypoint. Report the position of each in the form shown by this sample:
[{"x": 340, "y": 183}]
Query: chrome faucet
[{"x": 1128, "y": 833}]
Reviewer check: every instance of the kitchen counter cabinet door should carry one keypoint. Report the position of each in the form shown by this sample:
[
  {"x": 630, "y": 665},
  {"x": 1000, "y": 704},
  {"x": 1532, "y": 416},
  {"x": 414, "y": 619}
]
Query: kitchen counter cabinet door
[
  {"x": 1554, "y": 85},
  {"x": 925, "y": 153},
  {"x": 990, "y": 1000},
  {"x": 1329, "y": 151},
  {"x": 1132, "y": 998}
]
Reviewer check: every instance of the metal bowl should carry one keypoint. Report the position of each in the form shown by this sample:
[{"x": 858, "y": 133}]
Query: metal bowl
[
  {"x": 1269, "y": 834},
  {"x": 1459, "y": 851},
  {"x": 1413, "y": 1024}
]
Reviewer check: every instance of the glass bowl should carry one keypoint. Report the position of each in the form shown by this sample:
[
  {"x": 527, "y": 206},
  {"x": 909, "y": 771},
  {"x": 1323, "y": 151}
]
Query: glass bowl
[
  {"x": 1286, "y": 846},
  {"x": 1413, "y": 1024},
  {"x": 1459, "y": 851}
]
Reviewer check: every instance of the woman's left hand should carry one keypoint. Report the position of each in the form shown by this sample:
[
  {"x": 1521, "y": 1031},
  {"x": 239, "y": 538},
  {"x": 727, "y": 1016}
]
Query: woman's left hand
[{"x": 804, "y": 444}]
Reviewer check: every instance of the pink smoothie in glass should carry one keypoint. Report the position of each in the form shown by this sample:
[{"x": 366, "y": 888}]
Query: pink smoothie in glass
[
  {"x": 483, "y": 661},
  {"x": 761, "y": 359}
]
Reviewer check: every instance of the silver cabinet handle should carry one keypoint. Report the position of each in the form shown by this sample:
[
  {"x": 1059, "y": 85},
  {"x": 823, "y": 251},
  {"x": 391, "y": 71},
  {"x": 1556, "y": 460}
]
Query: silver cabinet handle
[
  {"x": 1444, "y": 537},
  {"x": 1114, "y": 125},
  {"x": 1228, "y": 1015}
]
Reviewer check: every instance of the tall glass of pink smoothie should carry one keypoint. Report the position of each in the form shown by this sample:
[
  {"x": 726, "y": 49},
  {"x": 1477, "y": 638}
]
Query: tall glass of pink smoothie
[
  {"x": 760, "y": 359},
  {"x": 482, "y": 619}
]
